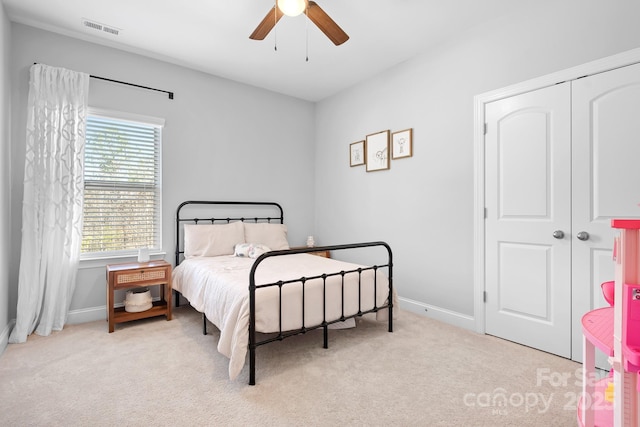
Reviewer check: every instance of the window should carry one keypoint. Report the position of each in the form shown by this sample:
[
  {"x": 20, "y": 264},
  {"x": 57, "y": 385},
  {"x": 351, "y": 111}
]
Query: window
[{"x": 121, "y": 184}]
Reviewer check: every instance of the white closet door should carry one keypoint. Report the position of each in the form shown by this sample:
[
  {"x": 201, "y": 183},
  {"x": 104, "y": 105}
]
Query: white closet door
[
  {"x": 528, "y": 225},
  {"x": 606, "y": 179}
]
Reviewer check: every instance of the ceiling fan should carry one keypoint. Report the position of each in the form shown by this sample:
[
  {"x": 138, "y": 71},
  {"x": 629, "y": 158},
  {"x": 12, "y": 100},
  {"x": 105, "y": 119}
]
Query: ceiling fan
[{"x": 295, "y": 8}]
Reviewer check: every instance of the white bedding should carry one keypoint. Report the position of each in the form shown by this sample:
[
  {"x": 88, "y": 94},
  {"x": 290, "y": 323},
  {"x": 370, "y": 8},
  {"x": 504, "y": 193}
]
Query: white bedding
[{"x": 219, "y": 287}]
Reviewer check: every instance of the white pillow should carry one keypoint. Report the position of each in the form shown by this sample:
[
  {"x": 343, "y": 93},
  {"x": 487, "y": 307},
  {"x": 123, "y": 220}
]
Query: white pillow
[
  {"x": 273, "y": 236},
  {"x": 250, "y": 250},
  {"x": 212, "y": 239}
]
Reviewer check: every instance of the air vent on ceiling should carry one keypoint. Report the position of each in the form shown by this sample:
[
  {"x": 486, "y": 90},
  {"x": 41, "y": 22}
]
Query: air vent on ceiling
[
  {"x": 113, "y": 31},
  {"x": 100, "y": 27}
]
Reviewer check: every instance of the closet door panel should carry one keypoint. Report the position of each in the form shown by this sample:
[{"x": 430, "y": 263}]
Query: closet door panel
[
  {"x": 606, "y": 179},
  {"x": 528, "y": 201}
]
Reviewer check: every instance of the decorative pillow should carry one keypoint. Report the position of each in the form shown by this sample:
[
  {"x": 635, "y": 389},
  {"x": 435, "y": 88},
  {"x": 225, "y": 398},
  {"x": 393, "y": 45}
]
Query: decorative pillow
[
  {"x": 212, "y": 239},
  {"x": 272, "y": 235},
  {"x": 250, "y": 250}
]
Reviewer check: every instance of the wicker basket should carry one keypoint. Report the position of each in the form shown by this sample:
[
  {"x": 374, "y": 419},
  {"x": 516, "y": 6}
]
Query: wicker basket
[{"x": 138, "y": 300}]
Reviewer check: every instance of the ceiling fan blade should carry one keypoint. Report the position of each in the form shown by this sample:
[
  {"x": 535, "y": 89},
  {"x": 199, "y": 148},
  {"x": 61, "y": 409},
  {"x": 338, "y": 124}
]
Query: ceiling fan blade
[
  {"x": 326, "y": 24},
  {"x": 267, "y": 24}
]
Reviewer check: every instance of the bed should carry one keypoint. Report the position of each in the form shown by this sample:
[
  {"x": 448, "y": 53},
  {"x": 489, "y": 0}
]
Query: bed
[{"x": 239, "y": 271}]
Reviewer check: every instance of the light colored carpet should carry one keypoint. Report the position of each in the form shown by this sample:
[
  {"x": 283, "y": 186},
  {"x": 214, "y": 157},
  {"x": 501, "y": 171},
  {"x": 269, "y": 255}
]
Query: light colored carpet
[{"x": 154, "y": 372}]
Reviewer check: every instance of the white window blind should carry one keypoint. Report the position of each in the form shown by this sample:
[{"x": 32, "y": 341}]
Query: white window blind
[{"x": 121, "y": 185}]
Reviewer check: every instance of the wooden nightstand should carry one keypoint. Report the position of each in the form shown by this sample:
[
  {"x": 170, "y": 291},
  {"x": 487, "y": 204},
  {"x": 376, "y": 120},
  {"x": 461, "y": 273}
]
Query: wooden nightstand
[
  {"x": 326, "y": 254},
  {"x": 138, "y": 274}
]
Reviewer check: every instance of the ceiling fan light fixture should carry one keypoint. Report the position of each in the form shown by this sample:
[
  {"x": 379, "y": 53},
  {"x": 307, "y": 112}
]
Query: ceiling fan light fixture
[{"x": 292, "y": 7}]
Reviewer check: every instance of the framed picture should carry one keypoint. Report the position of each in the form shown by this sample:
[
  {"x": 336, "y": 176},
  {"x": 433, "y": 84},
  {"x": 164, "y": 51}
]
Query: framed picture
[
  {"x": 377, "y": 151},
  {"x": 402, "y": 144},
  {"x": 356, "y": 154}
]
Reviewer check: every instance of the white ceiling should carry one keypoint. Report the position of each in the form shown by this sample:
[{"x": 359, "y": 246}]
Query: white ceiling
[{"x": 213, "y": 35}]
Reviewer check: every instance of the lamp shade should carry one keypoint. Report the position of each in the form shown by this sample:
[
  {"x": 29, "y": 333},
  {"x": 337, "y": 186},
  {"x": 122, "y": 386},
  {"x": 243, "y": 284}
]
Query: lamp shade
[{"x": 292, "y": 7}]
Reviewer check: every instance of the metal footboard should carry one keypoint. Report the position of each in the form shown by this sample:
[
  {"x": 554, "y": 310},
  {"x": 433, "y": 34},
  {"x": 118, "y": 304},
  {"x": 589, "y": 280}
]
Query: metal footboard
[{"x": 254, "y": 343}]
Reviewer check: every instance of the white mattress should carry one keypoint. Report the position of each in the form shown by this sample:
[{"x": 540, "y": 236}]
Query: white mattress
[{"x": 219, "y": 287}]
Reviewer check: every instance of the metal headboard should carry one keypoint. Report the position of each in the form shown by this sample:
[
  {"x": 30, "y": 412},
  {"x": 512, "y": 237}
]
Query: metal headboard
[{"x": 278, "y": 216}]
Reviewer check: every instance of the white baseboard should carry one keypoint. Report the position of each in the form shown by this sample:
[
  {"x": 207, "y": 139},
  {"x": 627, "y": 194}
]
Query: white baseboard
[
  {"x": 4, "y": 336},
  {"x": 447, "y": 316},
  {"x": 85, "y": 315},
  {"x": 75, "y": 316}
]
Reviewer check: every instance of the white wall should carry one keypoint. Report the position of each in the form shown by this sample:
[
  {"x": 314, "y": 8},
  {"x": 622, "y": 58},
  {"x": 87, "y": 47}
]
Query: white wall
[
  {"x": 423, "y": 206},
  {"x": 5, "y": 176},
  {"x": 222, "y": 141}
]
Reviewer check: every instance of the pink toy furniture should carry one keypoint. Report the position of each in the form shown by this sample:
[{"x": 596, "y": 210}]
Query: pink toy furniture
[
  {"x": 631, "y": 328},
  {"x": 616, "y": 331},
  {"x": 608, "y": 291},
  {"x": 625, "y": 331},
  {"x": 597, "y": 331}
]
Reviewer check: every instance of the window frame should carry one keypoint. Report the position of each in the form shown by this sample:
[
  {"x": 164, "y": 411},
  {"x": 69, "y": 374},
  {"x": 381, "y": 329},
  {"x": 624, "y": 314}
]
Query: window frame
[{"x": 137, "y": 119}]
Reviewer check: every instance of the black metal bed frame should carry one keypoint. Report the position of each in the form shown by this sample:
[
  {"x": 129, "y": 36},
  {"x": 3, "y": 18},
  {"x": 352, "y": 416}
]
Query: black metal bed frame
[{"x": 254, "y": 343}]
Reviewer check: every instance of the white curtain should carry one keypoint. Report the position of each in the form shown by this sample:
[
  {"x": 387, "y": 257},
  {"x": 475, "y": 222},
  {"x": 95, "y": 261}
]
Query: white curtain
[{"x": 52, "y": 204}]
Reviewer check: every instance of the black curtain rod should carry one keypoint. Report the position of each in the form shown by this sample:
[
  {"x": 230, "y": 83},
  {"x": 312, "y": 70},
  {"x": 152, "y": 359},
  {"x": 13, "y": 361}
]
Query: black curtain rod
[
  {"x": 129, "y": 84},
  {"x": 133, "y": 84}
]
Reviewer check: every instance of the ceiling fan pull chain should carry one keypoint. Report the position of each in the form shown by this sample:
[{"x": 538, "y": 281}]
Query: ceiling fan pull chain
[
  {"x": 307, "y": 33},
  {"x": 275, "y": 30}
]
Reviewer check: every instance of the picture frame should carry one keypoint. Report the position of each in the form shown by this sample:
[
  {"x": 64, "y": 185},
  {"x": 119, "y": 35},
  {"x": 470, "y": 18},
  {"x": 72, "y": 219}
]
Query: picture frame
[
  {"x": 377, "y": 151},
  {"x": 402, "y": 144},
  {"x": 357, "y": 154}
]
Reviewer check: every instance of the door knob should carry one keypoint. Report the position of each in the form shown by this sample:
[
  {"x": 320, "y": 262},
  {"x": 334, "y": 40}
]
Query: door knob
[
  {"x": 558, "y": 234},
  {"x": 583, "y": 235}
]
